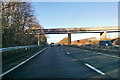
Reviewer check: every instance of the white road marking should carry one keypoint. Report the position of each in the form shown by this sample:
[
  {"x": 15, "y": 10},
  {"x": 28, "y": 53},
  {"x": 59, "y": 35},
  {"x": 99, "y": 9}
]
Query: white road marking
[
  {"x": 68, "y": 53},
  {"x": 106, "y": 55},
  {"x": 99, "y": 53},
  {"x": 110, "y": 55},
  {"x": 85, "y": 50},
  {"x": 100, "y": 72},
  {"x": 115, "y": 56},
  {"x": 21, "y": 63}
]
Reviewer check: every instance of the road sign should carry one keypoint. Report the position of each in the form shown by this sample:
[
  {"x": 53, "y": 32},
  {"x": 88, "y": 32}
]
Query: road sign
[{"x": 77, "y": 40}]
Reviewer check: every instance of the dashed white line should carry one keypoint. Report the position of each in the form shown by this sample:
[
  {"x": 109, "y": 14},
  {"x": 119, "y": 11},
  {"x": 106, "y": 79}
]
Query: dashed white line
[
  {"x": 86, "y": 50},
  {"x": 67, "y": 52},
  {"x": 100, "y": 72},
  {"x": 114, "y": 56},
  {"x": 110, "y": 55},
  {"x": 99, "y": 53},
  {"x": 21, "y": 63},
  {"x": 107, "y": 55}
]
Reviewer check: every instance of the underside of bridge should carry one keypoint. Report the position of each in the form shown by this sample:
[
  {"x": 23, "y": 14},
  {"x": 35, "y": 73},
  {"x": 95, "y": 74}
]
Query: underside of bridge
[{"x": 102, "y": 37}]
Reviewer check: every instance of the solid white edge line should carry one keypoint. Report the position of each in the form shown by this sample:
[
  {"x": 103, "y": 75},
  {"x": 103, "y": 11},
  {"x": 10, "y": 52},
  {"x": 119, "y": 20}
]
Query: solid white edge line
[
  {"x": 21, "y": 63},
  {"x": 100, "y": 72}
]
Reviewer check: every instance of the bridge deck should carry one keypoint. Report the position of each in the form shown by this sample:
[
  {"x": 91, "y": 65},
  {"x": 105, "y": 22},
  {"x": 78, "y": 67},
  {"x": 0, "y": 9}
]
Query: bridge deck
[{"x": 77, "y": 30}]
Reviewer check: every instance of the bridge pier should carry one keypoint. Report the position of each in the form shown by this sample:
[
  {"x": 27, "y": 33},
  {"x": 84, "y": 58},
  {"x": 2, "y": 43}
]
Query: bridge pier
[
  {"x": 103, "y": 35},
  {"x": 38, "y": 39},
  {"x": 69, "y": 38}
]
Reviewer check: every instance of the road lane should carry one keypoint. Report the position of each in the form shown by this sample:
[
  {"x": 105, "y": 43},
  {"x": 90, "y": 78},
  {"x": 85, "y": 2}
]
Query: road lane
[
  {"x": 105, "y": 63},
  {"x": 53, "y": 63}
]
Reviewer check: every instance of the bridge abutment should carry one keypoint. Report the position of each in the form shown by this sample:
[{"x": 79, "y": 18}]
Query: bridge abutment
[{"x": 103, "y": 35}]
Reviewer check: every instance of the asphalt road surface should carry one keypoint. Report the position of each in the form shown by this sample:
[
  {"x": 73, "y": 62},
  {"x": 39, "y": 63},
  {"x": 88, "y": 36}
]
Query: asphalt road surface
[{"x": 67, "y": 62}]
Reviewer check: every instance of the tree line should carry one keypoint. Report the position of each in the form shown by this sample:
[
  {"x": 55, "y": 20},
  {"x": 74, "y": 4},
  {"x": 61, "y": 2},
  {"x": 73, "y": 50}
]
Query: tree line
[{"x": 17, "y": 17}]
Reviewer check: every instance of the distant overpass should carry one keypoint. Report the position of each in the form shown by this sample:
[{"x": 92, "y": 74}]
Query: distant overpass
[
  {"x": 77, "y": 30},
  {"x": 68, "y": 31}
]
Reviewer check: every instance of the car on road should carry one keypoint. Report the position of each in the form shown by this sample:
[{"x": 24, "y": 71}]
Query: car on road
[
  {"x": 52, "y": 44},
  {"x": 58, "y": 44},
  {"x": 105, "y": 43}
]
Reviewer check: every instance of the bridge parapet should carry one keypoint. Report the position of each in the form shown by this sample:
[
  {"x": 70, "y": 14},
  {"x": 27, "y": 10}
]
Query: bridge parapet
[{"x": 78, "y": 30}]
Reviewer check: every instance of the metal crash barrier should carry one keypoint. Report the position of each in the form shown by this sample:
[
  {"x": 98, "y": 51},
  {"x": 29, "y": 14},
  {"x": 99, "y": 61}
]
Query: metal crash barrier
[{"x": 17, "y": 47}]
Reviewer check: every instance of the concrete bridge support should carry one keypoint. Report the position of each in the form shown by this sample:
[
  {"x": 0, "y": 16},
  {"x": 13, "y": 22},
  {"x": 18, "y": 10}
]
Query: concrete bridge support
[
  {"x": 38, "y": 39},
  {"x": 69, "y": 38},
  {"x": 103, "y": 35}
]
